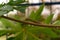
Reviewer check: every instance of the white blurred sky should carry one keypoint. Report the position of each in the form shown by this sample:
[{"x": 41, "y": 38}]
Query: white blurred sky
[
  {"x": 35, "y": 1},
  {"x": 5, "y": 1},
  {"x": 30, "y": 1}
]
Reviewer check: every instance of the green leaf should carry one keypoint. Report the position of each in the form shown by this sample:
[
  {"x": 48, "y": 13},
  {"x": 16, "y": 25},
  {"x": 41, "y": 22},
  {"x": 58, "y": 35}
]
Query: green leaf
[
  {"x": 58, "y": 32},
  {"x": 1, "y": 5},
  {"x": 32, "y": 37},
  {"x": 21, "y": 8},
  {"x": 8, "y": 24},
  {"x": 2, "y": 32},
  {"x": 2, "y": 12},
  {"x": 16, "y": 2},
  {"x": 56, "y": 22},
  {"x": 5, "y": 31},
  {"x": 20, "y": 36},
  {"x": 6, "y": 8},
  {"x": 26, "y": 35},
  {"x": 48, "y": 19},
  {"x": 32, "y": 15},
  {"x": 38, "y": 12},
  {"x": 37, "y": 15},
  {"x": 37, "y": 30}
]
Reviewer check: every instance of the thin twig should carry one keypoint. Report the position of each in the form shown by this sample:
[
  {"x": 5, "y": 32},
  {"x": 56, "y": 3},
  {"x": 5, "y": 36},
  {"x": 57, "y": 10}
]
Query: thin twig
[{"x": 32, "y": 23}]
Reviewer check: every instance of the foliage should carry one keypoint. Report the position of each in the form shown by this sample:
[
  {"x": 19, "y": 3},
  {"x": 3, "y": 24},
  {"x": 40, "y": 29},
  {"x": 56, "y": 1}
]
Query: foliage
[
  {"x": 24, "y": 31},
  {"x": 37, "y": 15}
]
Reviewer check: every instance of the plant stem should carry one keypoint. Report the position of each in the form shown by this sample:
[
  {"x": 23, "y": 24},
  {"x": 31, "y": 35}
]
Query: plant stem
[{"x": 32, "y": 23}]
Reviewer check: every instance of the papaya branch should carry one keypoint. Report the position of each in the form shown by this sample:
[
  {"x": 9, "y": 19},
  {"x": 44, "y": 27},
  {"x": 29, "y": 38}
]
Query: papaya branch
[{"x": 32, "y": 23}]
